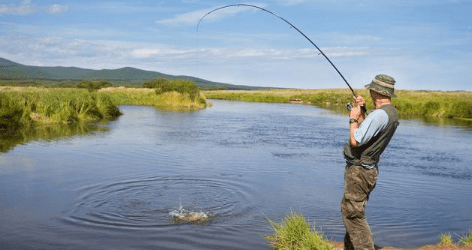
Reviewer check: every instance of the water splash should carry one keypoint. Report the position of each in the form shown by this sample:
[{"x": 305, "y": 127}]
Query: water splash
[{"x": 185, "y": 216}]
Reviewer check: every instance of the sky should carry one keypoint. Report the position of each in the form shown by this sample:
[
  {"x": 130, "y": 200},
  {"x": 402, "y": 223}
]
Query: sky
[{"x": 423, "y": 44}]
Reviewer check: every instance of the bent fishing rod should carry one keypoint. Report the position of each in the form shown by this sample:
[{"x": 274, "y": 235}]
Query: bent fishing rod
[{"x": 293, "y": 26}]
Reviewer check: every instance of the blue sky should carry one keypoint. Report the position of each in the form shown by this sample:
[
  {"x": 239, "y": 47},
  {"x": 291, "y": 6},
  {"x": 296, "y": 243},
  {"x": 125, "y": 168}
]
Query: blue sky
[{"x": 423, "y": 44}]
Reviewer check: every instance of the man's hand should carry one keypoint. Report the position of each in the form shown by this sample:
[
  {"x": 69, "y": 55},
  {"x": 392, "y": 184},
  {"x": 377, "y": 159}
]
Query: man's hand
[
  {"x": 355, "y": 112},
  {"x": 359, "y": 101}
]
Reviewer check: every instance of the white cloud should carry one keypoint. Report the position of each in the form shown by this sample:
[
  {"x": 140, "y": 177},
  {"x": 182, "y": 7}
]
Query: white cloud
[
  {"x": 291, "y": 2},
  {"x": 56, "y": 9},
  {"x": 26, "y": 8}
]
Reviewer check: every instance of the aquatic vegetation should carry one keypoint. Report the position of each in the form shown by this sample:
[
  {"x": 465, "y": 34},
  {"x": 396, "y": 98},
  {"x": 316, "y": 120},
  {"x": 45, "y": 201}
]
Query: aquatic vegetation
[{"x": 295, "y": 233}]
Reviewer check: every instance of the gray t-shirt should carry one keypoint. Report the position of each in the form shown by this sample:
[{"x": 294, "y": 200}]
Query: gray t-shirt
[{"x": 371, "y": 126}]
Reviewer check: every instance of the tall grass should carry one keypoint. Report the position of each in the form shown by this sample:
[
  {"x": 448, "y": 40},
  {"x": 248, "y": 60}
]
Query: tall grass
[
  {"x": 466, "y": 240},
  {"x": 24, "y": 106},
  {"x": 294, "y": 233},
  {"x": 169, "y": 100}
]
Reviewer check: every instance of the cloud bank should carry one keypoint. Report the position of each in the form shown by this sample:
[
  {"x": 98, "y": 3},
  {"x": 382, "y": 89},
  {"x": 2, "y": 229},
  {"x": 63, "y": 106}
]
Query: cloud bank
[{"x": 27, "y": 8}]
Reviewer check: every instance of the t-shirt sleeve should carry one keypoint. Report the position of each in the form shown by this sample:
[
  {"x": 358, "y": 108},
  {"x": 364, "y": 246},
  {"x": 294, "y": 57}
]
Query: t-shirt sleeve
[{"x": 371, "y": 126}]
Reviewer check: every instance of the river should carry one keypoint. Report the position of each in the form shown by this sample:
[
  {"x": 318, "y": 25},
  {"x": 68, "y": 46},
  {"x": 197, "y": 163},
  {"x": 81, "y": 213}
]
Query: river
[{"x": 114, "y": 186}]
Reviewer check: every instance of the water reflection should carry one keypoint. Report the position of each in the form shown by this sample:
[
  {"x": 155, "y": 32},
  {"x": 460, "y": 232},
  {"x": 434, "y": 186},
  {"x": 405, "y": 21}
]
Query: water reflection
[
  {"x": 11, "y": 138},
  {"x": 440, "y": 121}
]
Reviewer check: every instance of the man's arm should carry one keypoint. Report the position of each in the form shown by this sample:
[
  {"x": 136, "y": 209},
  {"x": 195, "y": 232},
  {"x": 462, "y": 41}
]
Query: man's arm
[{"x": 358, "y": 114}]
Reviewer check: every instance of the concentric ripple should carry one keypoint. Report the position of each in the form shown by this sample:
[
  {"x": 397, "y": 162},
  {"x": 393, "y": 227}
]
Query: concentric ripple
[{"x": 146, "y": 203}]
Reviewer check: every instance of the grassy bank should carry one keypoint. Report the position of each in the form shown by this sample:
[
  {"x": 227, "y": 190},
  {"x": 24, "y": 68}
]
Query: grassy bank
[
  {"x": 294, "y": 233},
  {"x": 444, "y": 104},
  {"x": 27, "y": 106},
  {"x": 24, "y": 106},
  {"x": 171, "y": 100}
]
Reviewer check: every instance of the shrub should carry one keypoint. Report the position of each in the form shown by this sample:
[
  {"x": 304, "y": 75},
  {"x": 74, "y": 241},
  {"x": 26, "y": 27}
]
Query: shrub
[
  {"x": 179, "y": 86},
  {"x": 155, "y": 83},
  {"x": 93, "y": 86}
]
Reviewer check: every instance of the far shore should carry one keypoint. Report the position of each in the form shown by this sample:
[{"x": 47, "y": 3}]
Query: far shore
[{"x": 436, "y": 106}]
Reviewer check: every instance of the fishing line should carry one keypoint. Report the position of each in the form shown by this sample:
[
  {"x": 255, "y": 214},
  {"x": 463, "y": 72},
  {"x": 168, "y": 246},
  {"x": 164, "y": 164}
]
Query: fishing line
[{"x": 257, "y": 7}]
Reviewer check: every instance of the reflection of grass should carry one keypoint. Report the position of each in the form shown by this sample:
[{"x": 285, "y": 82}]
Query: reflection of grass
[
  {"x": 10, "y": 138},
  {"x": 294, "y": 233},
  {"x": 446, "y": 104}
]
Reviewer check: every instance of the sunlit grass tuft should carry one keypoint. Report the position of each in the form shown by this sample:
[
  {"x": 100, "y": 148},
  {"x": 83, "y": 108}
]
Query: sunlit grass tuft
[
  {"x": 294, "y": 233},
  {"x": 446, "y": 240},
  {"x": 466, "y": 240}
]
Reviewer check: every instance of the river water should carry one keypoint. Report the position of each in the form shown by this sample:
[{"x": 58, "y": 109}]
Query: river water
[{"x": 113, "y": 187}]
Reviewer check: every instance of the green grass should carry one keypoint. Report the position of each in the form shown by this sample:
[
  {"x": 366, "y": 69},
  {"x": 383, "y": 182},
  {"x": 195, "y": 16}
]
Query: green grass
[
  {"x": 294, "y": 233},
  {"x": 171, "y": 100},
  {"x": 466, "y": 240},
  {"x": 446, "y": 240},
  {"x": 24, "y": 106},
  {"x": 27, "y": 106}
]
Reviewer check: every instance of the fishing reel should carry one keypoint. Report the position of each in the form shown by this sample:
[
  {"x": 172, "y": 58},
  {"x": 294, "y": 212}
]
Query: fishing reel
[{"x": 349, "y": 106}]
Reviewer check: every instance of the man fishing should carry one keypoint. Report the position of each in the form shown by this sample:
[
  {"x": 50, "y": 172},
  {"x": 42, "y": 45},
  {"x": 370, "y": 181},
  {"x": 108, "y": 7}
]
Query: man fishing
[{"x": 368, "y": 138}]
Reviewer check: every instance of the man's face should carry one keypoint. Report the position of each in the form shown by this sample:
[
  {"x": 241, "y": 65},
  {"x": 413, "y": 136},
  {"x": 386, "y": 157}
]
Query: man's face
[{"x": 372, "y": 95}]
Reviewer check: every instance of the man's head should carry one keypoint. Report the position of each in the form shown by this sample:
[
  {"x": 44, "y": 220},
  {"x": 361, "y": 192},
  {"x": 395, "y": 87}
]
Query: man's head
[{"x": 382, "y": 85}]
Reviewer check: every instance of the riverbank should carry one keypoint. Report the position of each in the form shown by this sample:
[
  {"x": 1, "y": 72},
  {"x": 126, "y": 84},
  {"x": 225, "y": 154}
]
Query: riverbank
[
  {"x": 415, "y": 103},
  {"x": 171, "y": 100},
  {"x": 294, "y": 233},
  {"x": 26, "y": 106},
  {"x": 340, "y": 246}
]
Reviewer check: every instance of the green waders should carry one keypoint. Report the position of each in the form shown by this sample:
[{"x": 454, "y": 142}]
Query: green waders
[{"x": 358, "y": 183}]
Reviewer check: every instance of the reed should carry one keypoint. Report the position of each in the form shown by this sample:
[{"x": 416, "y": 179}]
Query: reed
[{"x": 294, "y": 233}]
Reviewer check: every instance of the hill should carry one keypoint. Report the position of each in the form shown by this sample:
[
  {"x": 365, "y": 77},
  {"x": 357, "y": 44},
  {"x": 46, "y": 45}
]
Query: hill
[{"x": 10, "y": 70}]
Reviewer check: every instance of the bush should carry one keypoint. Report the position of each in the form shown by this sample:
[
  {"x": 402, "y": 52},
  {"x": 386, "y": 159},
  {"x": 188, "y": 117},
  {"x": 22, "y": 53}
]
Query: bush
[
  {"x": 179, "y": 86},
  {"x": 93, "y": 86},
  {"x": 155, "y": 83}
]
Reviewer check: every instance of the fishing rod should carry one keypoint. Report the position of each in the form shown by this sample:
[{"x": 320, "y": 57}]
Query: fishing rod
[{"x": 257, "y": 7}]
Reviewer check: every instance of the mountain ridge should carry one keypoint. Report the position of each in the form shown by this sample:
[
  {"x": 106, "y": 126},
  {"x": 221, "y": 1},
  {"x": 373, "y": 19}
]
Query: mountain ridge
[{"x": 15, "y": 71}]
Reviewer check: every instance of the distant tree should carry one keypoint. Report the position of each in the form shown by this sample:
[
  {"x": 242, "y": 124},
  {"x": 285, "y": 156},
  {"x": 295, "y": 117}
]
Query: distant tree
[
  {"x": 156, "y": 83},
  {"x": 180, "y": 85},
  {"x": 93, "y": 86}
]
